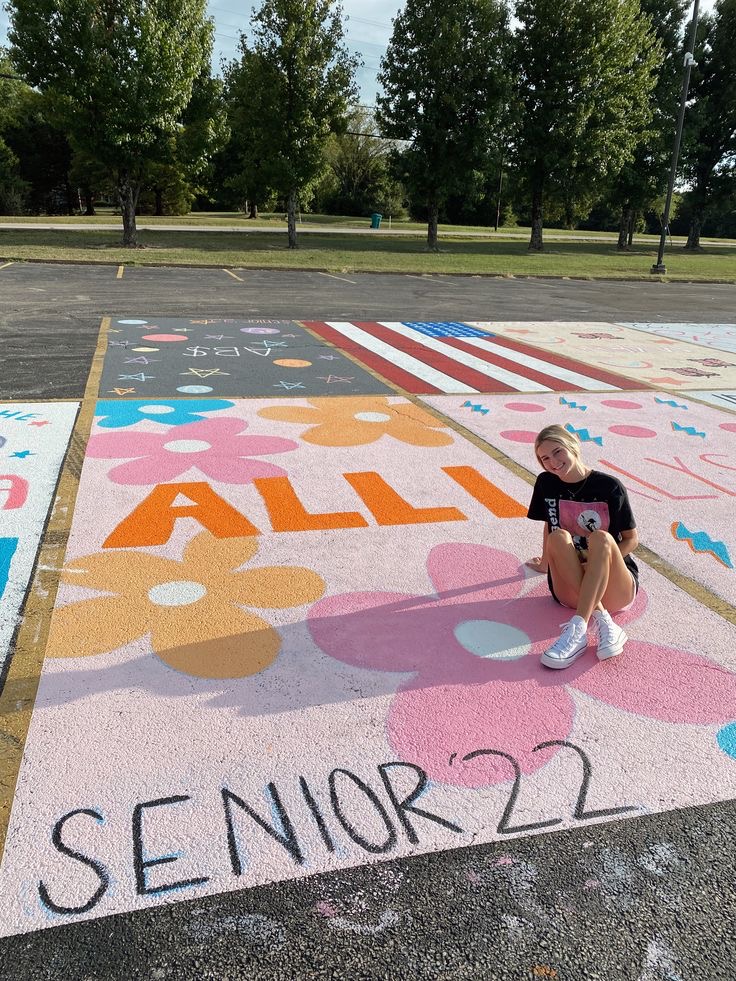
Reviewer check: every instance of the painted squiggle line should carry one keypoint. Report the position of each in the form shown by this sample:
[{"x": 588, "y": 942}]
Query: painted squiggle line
[
  {"x": 584, "y": 435},
  {"x": 476, "y": 408},
  {"x": 675, "y": 405},
  {"x": 572, "y": 405},
  {"x": 701, "y": 542},
  {"x": 690, "y": 430}
]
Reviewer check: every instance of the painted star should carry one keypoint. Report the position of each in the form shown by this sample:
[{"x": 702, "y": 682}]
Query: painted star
[
  {"x": 218, "y": 337},
  {"x": 288, "y": 385},
  {"x": 329, "y": 357},
  {"x": 22, "y": 454},
  {"x": 204, "y": 372},
  {"x": 331, "y": 379},
  {"x": 121, "y": 391},
  {"x": 119, "y": 343},
  {"x": 139, "y": 377},
  {"x": 141, "y": 360}
]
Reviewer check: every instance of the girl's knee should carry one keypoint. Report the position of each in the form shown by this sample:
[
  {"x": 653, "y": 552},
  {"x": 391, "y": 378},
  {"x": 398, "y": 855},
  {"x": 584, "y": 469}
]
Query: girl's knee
[
  {"x": 600, "y": 541},
  {"x": 559, "y": 539}
]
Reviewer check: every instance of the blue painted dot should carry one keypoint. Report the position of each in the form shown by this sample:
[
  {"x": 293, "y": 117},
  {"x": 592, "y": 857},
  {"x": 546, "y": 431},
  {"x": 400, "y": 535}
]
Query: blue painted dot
[{"x": 726, "y": 739}]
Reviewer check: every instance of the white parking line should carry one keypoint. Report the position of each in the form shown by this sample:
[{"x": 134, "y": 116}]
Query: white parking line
[{"x": 330, "y": 276}]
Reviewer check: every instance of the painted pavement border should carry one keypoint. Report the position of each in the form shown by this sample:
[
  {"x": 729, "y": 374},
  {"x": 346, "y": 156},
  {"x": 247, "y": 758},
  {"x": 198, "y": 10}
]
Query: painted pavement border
[{"x": 19, "y": 686}]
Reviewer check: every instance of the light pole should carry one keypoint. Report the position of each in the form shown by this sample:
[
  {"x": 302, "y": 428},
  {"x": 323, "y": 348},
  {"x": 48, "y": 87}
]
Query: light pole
[{"x": 688, "y": 63}]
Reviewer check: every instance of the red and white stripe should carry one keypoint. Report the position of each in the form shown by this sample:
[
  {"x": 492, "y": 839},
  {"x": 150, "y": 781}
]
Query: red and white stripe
[{"x": 426, "y": 365}]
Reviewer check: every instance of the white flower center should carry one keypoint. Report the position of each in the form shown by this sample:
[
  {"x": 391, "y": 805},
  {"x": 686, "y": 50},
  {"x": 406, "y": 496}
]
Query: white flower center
[
  {"x": 487, "y": 638},
  {"x": 187, "y": 446},
  {"x": 156, "y": 410},
  {"x": 371, "y": 417},
  {"x": 176, "y": 593}
]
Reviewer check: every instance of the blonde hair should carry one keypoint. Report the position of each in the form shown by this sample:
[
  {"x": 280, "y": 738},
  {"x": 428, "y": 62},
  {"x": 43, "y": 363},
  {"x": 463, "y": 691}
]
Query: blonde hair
[{"x": 558, "y": 434}]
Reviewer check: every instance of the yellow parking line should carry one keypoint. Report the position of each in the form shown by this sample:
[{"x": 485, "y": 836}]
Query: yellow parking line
[
  {"x": 233, "y": 275},
  {"x": 5, "y": 265},
  {"x": 121, "y": 270}
]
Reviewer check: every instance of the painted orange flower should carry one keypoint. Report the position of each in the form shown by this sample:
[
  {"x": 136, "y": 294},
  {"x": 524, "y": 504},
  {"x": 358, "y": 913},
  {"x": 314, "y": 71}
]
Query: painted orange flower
[
  {"x": 192, "y": 609},
  {"x": 357, "y": 421}
]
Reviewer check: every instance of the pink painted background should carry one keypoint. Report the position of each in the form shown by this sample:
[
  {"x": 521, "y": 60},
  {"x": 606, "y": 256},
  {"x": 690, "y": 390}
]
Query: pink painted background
[
  {"x": 425, "y": 644},
  {"x": 644, "y": 436}
]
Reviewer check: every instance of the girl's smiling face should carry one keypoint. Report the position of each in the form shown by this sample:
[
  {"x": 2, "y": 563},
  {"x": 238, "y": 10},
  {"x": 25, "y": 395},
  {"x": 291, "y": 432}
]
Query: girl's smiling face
[{"x": 557, "y": 459}]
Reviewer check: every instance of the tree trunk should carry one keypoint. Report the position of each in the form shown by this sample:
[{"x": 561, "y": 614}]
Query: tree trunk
[
  {"x": 632, "y": 220},
  {"x": 291, "y": 219},
  {"x": 69, "y": 196},
  {"x": 433, "y": 209},
  {"x": 128, "y": 195},
  {"x": 624, "y": 227},
  {"x": 253, "y": 210},
  {"x": 159, "y": 198},
  {"x": 536, "y": 244},
  {"x": 89, "y": 201},
  {"x": 693, "y": 235}
]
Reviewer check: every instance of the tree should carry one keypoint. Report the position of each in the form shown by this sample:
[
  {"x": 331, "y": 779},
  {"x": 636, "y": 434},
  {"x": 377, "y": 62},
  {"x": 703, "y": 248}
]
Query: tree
[
  {"x": 121, "y": 73},
  {"x": 303, "y": 81},
  {"x": 444, "y": 87},
  {"x": 586, "y": 71},
  {"x": 44, "y": 154},
  {"x": 251, "y": 172},
  {"x": 360, "y": 180},
  {"x": 643, "y": 179},
  {"x": 175, "y": 181},
  {"x": 12, "y": 187},
  {"x": 709, "y": 144}
]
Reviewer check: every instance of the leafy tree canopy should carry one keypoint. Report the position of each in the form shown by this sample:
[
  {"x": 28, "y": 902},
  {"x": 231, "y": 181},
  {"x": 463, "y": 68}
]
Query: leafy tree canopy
[
  {"x": 121, "y": 71},
  {"x": 586, "y": 72},
  {"x": 443, "y": 81},
  {"x": 301, "y": 82}
]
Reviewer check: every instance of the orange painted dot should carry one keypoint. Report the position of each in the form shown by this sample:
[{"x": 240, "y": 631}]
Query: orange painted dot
[
  {"x": 165, "y": 337},
  {"x": 292, "y": 363}
]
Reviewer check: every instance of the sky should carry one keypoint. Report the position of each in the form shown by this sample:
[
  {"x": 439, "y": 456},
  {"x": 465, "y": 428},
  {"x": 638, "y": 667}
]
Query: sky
[{"x": 368, "y": 29}]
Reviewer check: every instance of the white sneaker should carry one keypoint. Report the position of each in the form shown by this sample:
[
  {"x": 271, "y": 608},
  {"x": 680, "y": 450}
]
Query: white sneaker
[
  {"x": 571, "y": 644},
  {"x": 611, "y": 637}
]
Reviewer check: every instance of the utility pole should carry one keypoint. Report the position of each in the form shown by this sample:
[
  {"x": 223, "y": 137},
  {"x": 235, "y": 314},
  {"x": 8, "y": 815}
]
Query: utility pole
[{"x": 659, "y": 267}]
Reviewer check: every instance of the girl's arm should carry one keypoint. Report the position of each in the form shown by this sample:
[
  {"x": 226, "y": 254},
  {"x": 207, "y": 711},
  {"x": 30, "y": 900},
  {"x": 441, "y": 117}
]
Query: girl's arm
[
  {"x": 539, "y": 562},
  {"x": 629, "y": 541}
]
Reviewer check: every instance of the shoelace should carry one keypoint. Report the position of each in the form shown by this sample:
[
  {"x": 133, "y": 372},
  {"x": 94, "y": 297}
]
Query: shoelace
[{"x": 567, "y": 635}]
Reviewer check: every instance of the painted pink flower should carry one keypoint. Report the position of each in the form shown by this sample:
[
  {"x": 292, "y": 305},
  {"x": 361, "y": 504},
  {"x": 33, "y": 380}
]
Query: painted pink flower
[
  {"x": 217, "y": 447},
  {"x": 468, "y": 660}
]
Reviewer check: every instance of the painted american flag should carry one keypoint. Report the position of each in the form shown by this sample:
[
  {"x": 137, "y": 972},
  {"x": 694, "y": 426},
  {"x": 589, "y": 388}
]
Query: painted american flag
[{"x": 448, "y": 357}]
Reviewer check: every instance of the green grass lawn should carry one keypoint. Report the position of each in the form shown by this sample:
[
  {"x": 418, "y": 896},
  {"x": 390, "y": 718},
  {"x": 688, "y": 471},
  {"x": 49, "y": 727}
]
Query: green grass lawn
[{"x": 344, "y": 254}]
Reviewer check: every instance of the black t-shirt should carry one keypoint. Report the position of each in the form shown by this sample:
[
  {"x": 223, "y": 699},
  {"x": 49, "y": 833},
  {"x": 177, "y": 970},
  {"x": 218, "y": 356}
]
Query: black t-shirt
[{"x": 597, "y": 502}]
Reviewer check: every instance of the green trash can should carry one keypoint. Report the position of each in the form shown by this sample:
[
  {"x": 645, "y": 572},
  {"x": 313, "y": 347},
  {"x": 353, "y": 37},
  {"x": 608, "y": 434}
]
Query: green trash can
[{"x": 376, "y": 220}]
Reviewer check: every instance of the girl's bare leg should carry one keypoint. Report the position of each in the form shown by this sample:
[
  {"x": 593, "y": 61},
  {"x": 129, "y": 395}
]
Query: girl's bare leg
[
  {"x": 565, "y": 568},
  {"x": 606, "y": 582}
]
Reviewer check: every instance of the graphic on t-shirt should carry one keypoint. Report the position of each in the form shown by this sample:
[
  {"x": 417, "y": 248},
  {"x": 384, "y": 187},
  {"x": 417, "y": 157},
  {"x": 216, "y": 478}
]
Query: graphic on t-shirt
[{"x": 582, "y": 518}]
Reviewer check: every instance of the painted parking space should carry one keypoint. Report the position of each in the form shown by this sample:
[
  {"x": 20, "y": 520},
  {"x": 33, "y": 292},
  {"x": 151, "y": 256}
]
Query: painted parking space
[
  {"x": 429, "y": 357},
  {"x": 181, "y": 358},
  {"x": 677, "y": 459},
  {"x": 271, "y": 657},
  {"x": 33, "y": 441},
  {"x": 722, "y": 337},
  {"x": 295, "y": 634},
  {"x": 645, "y": 358}
]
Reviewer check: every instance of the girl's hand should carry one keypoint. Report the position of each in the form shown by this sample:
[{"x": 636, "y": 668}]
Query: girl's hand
[{"x": 537, "y": 564}]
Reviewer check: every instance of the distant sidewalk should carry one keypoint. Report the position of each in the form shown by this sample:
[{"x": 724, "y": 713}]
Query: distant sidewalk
[{"x": 549, "y": 236}]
